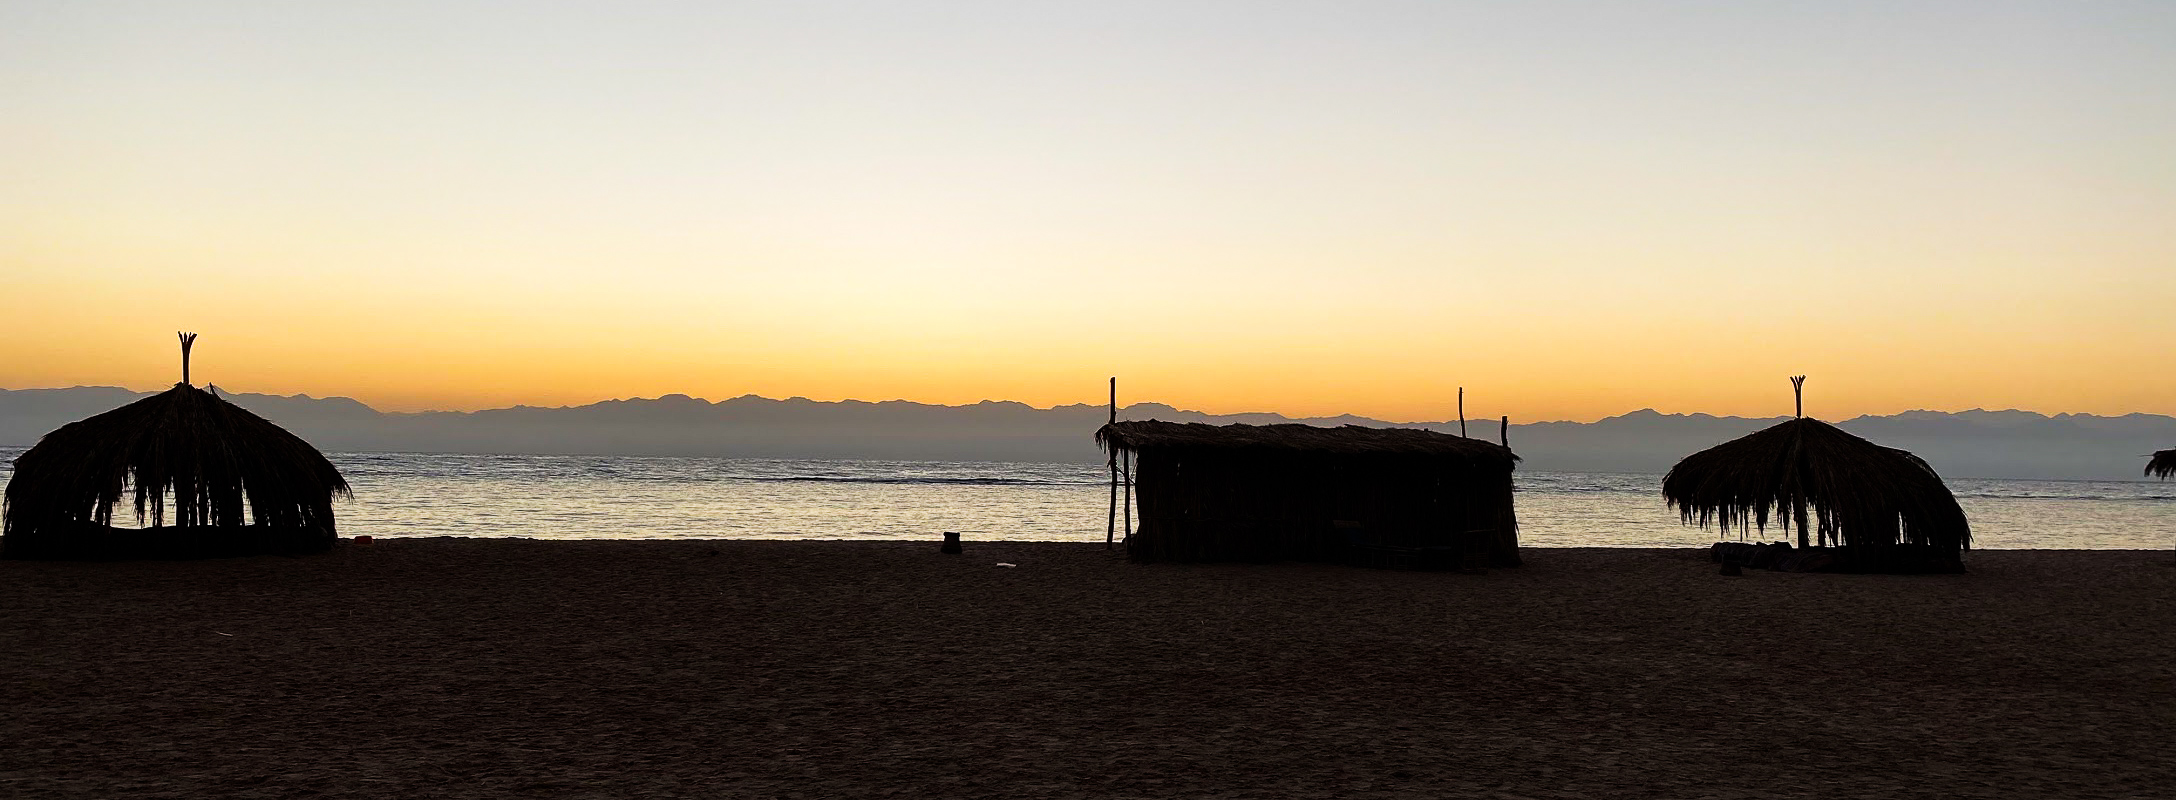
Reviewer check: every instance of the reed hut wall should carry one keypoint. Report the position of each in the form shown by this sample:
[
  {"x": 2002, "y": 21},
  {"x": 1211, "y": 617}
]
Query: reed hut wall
[{"x": 1259, "y": 496}]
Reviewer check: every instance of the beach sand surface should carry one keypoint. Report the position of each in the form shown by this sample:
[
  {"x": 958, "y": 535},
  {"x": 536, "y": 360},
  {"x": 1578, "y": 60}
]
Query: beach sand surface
[{"x": 463, "y": 668}]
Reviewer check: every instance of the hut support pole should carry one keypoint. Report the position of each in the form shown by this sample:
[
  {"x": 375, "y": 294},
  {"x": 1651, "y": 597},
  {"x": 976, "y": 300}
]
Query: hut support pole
[
  {"x": 1798, "y": 505},
  {"x": 1503, "y": 434},
  {"x": 1461, "y": 411},
  {"x": 1798, "y": 502},
  {"x": 1110, "y": 525},
  {"x": 1128, "y": 503}
]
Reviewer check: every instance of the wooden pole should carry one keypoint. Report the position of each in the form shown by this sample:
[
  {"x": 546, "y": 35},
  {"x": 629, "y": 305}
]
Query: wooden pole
[
  {"x": 1110, "y": 526},
  {"x": 1798, "y": 502},
  {"x": 187, "y": 340},
  {"x": 1461, "y": 411},
  {"x": 1503, "y": 434}
]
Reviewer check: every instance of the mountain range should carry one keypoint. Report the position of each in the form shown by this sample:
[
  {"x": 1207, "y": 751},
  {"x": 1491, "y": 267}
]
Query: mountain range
[{"x": 1982, "y": 444}]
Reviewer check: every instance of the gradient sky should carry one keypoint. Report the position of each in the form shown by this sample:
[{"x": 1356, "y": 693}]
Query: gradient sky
[{"x": 1573, "y": 210}]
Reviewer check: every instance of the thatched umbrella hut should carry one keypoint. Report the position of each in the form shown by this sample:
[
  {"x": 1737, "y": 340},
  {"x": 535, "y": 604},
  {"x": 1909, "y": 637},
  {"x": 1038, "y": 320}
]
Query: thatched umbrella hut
[
  {"x": 2163, "y": 464},
  {"x": 236, "y": 484},
  {"x": 1881, "y": 508},
  {"x": 1385, "y": 496}
]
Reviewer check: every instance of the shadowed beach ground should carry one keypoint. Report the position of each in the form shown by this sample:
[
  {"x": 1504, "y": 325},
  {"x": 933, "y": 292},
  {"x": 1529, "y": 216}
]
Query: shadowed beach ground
[{"x": 515, "y": 668}]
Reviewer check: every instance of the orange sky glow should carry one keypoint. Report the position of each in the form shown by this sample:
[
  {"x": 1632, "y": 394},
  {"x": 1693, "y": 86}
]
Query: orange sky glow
[{"x": 1312, "y": 210}]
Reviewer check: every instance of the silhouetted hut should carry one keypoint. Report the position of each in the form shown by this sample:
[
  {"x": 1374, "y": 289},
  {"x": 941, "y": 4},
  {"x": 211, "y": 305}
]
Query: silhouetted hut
[
  {"x": 2163, "y": 464},
  {"x": 1389, "y": 496},
  {"x": 236, "y": 483},
  {"x": 1882, "y": 509}
]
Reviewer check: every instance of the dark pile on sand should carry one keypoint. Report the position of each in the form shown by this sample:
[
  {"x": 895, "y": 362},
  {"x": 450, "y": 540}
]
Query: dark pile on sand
[{"x": 478, "y": 668}]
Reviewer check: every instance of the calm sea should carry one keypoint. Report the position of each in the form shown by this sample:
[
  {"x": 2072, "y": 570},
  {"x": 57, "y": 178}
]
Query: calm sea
[{"x": 617, "y": 497}]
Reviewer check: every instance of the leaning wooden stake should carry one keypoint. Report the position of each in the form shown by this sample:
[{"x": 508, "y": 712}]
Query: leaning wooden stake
[
  {"x": 1110, "y": 527},
  {"x": 1127, "y": 504},
  {"x": 1461, "y": 411},
  {"x": 187, "y": 340},
  {"x": 1503, "y": 434}
]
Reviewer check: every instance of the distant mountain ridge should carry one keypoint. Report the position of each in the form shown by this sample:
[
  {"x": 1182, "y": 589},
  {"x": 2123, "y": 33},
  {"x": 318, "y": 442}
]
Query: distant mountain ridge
[{"x": 1977, "y": 443}]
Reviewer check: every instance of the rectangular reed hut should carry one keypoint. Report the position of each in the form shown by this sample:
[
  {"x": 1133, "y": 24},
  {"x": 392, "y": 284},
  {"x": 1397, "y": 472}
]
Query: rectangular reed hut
[{"x": 1303, "y": 493}]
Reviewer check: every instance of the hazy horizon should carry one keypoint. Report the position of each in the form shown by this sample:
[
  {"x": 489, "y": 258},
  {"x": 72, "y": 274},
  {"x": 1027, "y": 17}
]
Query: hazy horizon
[
  {"x": 1475, "y": 415},
  {"x": 1999, "y": 444}
]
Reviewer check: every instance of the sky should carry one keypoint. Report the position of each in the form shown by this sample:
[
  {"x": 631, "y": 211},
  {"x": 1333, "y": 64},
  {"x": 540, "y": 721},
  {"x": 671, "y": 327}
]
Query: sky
[{"x": 1571, "y": 209}]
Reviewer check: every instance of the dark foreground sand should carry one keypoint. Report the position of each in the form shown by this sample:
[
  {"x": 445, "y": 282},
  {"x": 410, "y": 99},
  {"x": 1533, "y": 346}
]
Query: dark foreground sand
[{"x": 479, "y": 668}]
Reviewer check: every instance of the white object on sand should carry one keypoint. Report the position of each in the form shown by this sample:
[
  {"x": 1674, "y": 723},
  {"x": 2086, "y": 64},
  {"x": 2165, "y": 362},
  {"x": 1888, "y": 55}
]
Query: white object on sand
[{"x": 1003, "y": 564}]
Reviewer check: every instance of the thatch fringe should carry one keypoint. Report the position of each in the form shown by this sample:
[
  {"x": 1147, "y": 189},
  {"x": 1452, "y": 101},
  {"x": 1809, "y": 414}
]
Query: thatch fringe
[
  {"x": 222, "y": 467},
  {"x": 1864, "y": 495},
  {"x": 2163, "y": 464}
]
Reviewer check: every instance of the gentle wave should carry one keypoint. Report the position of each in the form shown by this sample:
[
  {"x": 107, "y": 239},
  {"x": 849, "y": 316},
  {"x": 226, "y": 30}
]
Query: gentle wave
[
  {"x": 928, "y": 481},
  {"x": 2101, "y": 498}
]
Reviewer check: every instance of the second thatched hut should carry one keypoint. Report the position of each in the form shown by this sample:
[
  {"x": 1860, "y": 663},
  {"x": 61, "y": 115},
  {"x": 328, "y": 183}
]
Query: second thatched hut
[
  {"x": 1304, "y": 493},
  {"x": 1870, "y": 508}
]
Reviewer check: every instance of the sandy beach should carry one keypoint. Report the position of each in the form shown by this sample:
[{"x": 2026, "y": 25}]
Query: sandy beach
[{"x": 513, "y": 668}]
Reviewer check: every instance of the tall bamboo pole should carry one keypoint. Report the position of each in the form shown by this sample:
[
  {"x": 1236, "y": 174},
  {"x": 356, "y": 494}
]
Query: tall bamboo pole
[
  {"x": 1461, "y": 411},
  {"x": 1110, "y": 526}
]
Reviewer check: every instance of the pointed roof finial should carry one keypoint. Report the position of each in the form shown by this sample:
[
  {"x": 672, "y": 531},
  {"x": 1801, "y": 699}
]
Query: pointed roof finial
[
  {"x": 187, "y": 339},
  {"x": 1798, "y": 393}
]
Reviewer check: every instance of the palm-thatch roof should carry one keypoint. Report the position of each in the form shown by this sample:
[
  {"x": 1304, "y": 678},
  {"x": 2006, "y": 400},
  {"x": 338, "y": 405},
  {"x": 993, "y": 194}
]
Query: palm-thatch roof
[
  {"x": 1296, "y": 438},
  {"x": 216, "y": 464},
  {"x": 1865, "y": 495},
  {"x": 2163, "y": 464}
]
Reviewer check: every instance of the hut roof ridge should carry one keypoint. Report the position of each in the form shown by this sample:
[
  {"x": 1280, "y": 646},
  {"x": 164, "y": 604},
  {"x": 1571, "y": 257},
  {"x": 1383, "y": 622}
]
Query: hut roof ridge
[{"x": 1137, "y": 435}]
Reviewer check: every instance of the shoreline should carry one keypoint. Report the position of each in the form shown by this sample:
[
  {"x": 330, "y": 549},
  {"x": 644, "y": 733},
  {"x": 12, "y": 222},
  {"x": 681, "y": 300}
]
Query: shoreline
[
  {"x": 933, "y": 540},
  {"x": 504, "y": 667}
]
